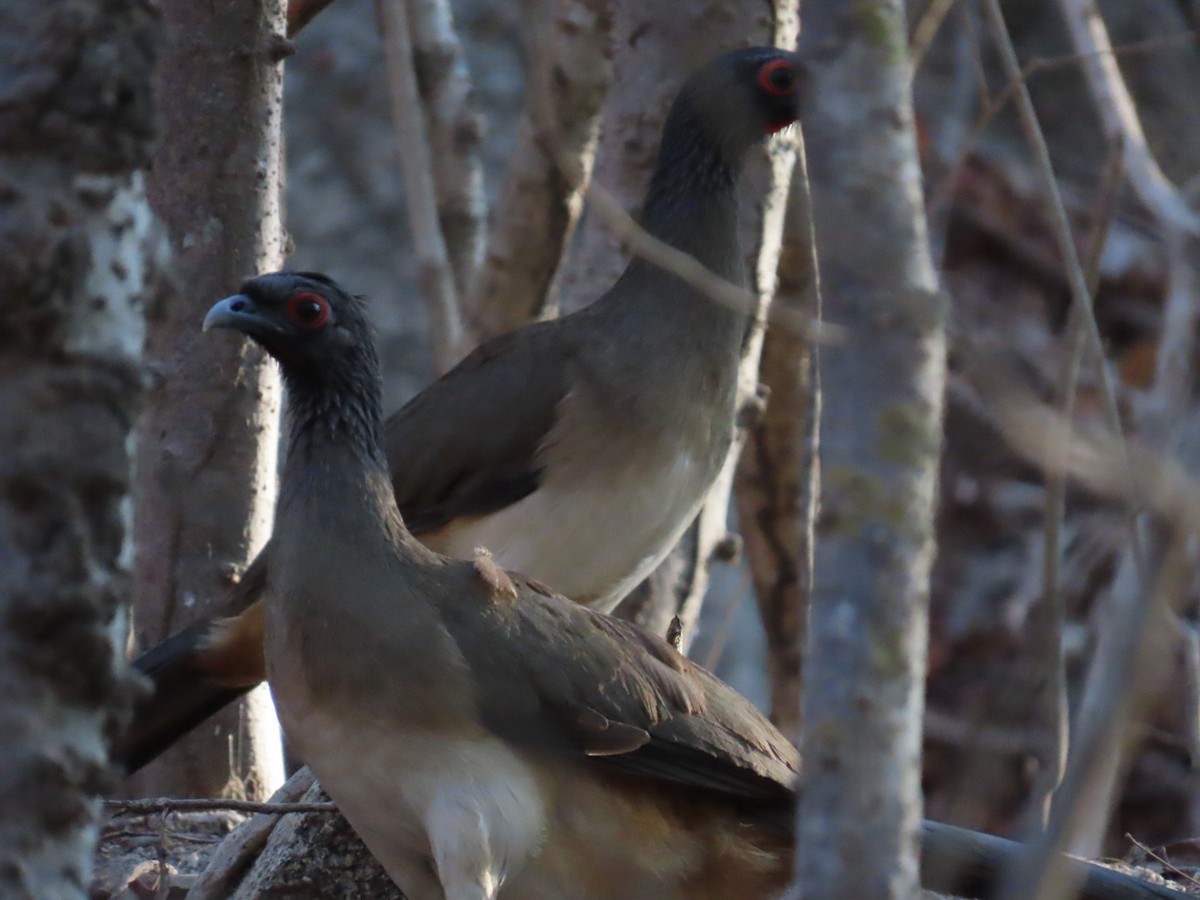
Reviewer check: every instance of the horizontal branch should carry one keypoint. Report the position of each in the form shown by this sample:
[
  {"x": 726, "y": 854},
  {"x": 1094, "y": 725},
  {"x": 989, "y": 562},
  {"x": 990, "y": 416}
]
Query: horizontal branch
[{"x": 176, "y": 804}]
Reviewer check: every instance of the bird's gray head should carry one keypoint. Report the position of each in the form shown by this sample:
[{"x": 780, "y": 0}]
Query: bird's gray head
[
  {"x": 741, "y": 96},
  {"x": 320, "y": 335},
  {"x": 303, "y": 319}
]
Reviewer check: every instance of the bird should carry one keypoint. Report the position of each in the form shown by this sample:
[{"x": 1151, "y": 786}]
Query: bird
[
  {"x": 576, "y": 450},
  {"x": 486, "y": 737}
]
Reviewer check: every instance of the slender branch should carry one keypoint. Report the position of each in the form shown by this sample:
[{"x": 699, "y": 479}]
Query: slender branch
[
  {"x": 178, "y": 804},
  {"x": 1161, "y": 410},
  {"x": 993, "y": 106},
  {"x": 1120, "y": 117},
  {"x": 926, "y": 30},
  {"x": 543, "y": 192},
  {"x": 454, "y": 135},
  {"x": 1038, "y": 879},
  {"x": 774, "y": 471},
  {"x": 1076, "y": 279},
  {"x": 690, "y": 270},
  {"x": 1045, "y": 623},
  {"x": 433, "y": 262}
]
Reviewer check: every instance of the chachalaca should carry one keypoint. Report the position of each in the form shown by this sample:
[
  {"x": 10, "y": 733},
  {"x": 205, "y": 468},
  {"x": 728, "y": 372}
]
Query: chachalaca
[
  {"x": 576, "y": 450},
  {"x": 485, "y": 736}
]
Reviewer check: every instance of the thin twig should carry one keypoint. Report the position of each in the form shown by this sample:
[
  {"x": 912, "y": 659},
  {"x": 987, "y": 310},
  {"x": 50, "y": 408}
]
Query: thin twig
[
  {"x": 926, "y": 30},
  {"x": 1046, "y": 624},
  {"x": 434, "y": 272},
  {"x": 994, "y": 105},
  {"x": 455, "y": 136},
  {"x": 177, "y": 804},
  {"x": 1061, "y": 226},
  {"x": 1041, "y": 877},
  {"x": 1120, "y": 117},
  {"x": 690, "y": 270},
  {"x": 1161, "y": 410},
  {"x": 1162, "y": 861}
]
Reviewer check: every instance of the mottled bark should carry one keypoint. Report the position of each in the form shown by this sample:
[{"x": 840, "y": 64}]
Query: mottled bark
[
  {"x": 881, "y": 402},
  {"x": 655, "y": 46},
  {"x": 78, "y": 255},
  {"x": 206, "y": 450}
]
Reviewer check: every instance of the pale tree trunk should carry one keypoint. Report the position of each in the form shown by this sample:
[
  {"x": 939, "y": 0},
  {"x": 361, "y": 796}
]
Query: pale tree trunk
[
  {"x": 657, "y": 43},
  {"x": 206, "y": 450},
  {"x": 882, "y": 386},
  {"x": 78, "y": 248}
]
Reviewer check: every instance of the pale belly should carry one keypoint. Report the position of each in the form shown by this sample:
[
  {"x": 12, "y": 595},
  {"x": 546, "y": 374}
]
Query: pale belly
[
  {"x": 445, "y": 816},
  {"x": 472, "y": 819},
  {"x": 591, "y": 538}
]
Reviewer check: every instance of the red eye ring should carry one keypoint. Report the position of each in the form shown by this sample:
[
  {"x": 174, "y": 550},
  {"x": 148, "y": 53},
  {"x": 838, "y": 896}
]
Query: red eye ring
[
  {"x": 308, "y": 310},
  {"x": 777, "y": 78}
]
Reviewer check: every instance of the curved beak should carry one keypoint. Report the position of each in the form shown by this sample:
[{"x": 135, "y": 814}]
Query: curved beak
[{"x": 240, "y": 313}]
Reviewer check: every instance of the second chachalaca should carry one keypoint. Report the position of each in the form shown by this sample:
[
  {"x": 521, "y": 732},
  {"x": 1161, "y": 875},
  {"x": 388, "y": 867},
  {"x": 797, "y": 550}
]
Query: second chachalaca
[
  {"x": 576, "y": 450},
  {"x": 486, "y": 737}
]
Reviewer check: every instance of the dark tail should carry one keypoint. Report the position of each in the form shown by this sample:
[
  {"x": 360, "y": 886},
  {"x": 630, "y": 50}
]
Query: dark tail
[
  {"x": 196, "y": 673},
  {"x": 972, "y": 864}
]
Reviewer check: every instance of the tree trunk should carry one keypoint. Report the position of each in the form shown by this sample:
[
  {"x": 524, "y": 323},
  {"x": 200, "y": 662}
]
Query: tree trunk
[
  {"x": 206, "y": 454},
  {"x": 77, "y": 251},
  {"x": 881, "y": 399}
]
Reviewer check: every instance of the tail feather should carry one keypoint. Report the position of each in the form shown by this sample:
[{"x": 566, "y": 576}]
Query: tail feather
[{"x": 196, "y": 673}]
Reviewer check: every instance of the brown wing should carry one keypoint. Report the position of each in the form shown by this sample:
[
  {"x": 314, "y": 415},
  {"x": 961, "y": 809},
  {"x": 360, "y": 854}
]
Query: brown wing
[
  {"x": 467, "y": 444},
  {"x": 555, "y": 676}
]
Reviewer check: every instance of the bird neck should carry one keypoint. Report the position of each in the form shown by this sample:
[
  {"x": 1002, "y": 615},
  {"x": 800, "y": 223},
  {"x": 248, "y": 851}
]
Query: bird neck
[
  {"x": 338, "y": 408},
  {"x": 691, "y": 205},
  {"x": 691, "y": 201},
  {"x": 335, "y": 473}
]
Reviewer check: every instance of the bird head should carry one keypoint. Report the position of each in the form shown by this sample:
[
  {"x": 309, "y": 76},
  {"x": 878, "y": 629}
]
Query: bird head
[
  {"x": 303, "y": 319},
  {"x": 743, "y": 95}
]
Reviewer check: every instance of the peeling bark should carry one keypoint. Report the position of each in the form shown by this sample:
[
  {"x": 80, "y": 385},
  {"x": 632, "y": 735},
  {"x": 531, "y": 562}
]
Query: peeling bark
[
  {"x": 206, "y": 452},
  {"x": 78, "y": 255}
]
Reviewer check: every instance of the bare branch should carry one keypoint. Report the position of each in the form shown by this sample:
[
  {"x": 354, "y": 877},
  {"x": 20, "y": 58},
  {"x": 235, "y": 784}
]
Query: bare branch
[
  {"x": 926, "y": 30},
  {"x": 1130, "y": 661},
  {"x": 687, "y": 268},
  {"x": 774, "y": 470},
  {"x": 179, "y": 804},
  {"x": 433, "y": 262},
  {"x": 542, "y": 195},
  {"x": 1045, "y": 622},
  {"x": 454, "y": 135},
  {"x": 1121, "y": 119}
]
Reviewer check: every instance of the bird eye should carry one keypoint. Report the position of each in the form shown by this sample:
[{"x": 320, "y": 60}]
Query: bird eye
[
  {"x": 777, "y": 77},
  {"x": 308, "y": 310}
]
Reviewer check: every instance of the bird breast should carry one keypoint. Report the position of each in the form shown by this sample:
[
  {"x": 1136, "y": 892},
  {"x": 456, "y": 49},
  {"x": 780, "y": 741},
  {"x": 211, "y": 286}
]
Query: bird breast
[{"x": 614, "y": 500}]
